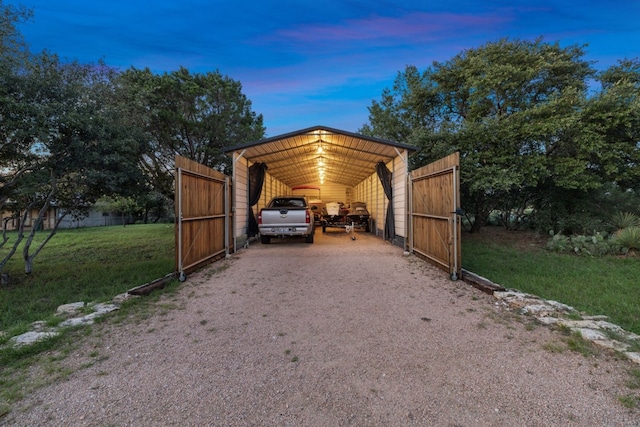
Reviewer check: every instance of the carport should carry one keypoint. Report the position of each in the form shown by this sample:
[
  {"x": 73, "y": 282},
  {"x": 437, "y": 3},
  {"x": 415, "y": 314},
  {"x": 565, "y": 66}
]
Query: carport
[
  {"x": 341, "y": 164},
  {"x": 416, "y": 211}
]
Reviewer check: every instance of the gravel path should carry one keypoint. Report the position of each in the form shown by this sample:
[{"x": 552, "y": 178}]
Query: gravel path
[{"x": 336, "y": 333}]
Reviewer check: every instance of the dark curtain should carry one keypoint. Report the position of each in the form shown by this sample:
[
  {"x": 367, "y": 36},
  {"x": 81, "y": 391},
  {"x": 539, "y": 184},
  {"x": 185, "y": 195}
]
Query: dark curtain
[
  {"x": 385, "y": 179},
  {"x": 257, "y": 172}
]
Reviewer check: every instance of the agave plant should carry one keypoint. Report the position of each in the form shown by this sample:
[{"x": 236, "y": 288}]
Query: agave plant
[
  {"x": 623, "y": 220},
  {"x": 628, "y": 238}
]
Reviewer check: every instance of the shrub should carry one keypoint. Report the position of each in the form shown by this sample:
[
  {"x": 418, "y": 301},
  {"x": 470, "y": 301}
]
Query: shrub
[
  {"x": 597, "y": 244},
  {"x": 625, "y": 219},
  {"x": 628, "y": 238}
]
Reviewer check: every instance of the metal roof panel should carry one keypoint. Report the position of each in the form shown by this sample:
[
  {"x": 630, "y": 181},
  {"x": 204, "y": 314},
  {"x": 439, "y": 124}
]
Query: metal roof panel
[{"x": 295, "y": 158}]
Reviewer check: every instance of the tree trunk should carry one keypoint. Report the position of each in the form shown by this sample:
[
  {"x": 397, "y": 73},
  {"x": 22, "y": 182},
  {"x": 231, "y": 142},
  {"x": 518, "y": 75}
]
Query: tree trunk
[
  {"x": 480, "y": 215},
  {"x": 28, "y": 265}
]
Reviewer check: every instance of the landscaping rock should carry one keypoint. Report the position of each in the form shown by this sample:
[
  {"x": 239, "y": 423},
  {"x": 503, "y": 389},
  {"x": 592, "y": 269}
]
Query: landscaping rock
[
  {"x": 31, "y": 337},
  {"x": 592, "y": 328},
  {"x": 40, "y": 330},
  {"x": 119, "y": 299},
  {"x": 70, "y": 310}
]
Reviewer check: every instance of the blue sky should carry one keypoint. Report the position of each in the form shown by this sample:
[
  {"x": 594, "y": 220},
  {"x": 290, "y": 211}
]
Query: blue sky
[{"x": 305, "y": 63}]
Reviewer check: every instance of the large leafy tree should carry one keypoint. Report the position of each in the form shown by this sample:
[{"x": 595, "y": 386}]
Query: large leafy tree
[
  {"x": 512, "y": 108},
  {"x": 193, "y": 115},
  {"x": 15, "y": 143},
  {"x": 611, "y": 120},
  {"x": 78, "y": 146}
]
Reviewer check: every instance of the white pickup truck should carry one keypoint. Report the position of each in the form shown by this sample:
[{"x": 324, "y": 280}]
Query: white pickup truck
[{"x": 286, "y": 216}]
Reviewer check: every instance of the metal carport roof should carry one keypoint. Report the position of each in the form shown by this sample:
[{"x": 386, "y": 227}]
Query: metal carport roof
[{"x": 321, "y": 154}]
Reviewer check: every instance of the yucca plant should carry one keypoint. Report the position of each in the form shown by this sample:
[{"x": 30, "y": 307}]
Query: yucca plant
[
  {"x": 628, "y": 238},
  {"x": 625, "y": 219}
]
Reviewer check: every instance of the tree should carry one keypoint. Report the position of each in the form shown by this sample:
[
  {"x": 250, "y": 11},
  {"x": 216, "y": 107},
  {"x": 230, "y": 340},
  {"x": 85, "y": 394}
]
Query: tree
[
  {"x": 15, "y": 145},
  {"x": 79, "y": 147},
  {"x": 612, "y": 122},
  {"x": 510, "y": 107},
  {"x": 604, "y": 144},
  {"x": 13, "y": 48},
  {"x": 125, "y": 206},
  {"x": 192, "y": 115}
]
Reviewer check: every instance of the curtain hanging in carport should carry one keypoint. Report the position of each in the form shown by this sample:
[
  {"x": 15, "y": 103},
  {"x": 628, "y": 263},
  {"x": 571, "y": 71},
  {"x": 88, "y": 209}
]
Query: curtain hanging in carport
[
  {"x": 385, "y": 179},
  {"x": 257, "y": 172}
]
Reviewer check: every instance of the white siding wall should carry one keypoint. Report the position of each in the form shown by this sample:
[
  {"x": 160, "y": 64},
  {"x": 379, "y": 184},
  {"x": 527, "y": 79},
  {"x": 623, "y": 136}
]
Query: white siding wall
[
  {"x": 241, "y": 196},
  {"x": 370, "y": 191},
  {"x": 270, "y": 188},
  {"x": 336, "y": 193},
  {"x": 400, "y": 171},
  {"x": 329, "y": 192}
]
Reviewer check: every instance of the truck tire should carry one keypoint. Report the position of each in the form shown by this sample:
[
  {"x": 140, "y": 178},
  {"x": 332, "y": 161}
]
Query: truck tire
[
  {"x": 309, "y": 238},
  {"x": 265, "y": 239}
]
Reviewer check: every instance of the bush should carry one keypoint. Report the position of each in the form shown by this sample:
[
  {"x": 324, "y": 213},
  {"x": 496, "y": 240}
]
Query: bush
[
  {"x": 580, "y": 212},
  {"x": 625, "y": 219},
  {"x": 598, "y": 244},
  {"x": 628, "y": 239}
]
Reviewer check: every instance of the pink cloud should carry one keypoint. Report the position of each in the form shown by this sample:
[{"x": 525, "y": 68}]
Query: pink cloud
[{"x": 412, "y": 27}]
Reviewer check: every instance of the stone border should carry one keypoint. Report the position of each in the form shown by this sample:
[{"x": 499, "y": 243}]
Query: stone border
[
  {"x": 73, "y": 313},
  {"x": 548, "y": 312},
  {"x": 75, "y": 316}
]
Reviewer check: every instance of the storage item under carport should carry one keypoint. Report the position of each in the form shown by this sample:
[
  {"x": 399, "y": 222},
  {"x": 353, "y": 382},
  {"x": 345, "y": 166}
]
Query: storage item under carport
[{"x": 336, "y": 215}]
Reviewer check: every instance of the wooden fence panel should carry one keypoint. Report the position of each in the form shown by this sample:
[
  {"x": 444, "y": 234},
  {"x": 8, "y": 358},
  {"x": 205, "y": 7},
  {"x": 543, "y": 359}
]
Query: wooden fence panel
[
  {"x": 202, "y": 215},
  {"x": 435, "y": 226}
]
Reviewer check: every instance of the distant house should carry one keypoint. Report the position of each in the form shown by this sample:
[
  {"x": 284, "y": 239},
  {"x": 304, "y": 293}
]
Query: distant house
[{"x": 94, "y": 218}]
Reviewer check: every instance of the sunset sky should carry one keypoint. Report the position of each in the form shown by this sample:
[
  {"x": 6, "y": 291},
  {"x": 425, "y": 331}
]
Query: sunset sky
[{"x": 306, "y": 63}]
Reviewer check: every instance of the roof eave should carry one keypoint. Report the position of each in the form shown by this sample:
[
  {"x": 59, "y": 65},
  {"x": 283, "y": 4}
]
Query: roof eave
[{"x": 410, "y": 148}]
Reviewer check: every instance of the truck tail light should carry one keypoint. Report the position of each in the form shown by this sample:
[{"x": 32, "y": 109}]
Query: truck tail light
[
  {"x": 308, "y": 217},
  {"x": 260, "y": 217}
]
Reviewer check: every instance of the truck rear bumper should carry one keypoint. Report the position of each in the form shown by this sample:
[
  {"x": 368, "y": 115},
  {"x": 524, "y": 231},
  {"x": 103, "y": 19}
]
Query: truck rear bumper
[{"x": 285, "y": 231}]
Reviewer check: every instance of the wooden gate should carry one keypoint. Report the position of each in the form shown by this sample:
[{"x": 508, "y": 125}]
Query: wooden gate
[
  {"x": 202, "y": 215},
  {"x": 434, "y": 202}
]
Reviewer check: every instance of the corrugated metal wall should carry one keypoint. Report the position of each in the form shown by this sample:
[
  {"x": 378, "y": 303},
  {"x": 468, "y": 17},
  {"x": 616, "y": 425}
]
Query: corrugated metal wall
[
  {"x": 371, "y": 192},
  {"x": 240, "y": 188},
  {"x": 400, "y": 171}
]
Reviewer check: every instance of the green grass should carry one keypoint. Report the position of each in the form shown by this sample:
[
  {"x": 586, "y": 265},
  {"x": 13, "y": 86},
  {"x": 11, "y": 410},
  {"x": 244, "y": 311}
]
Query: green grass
[
  {"x": 87, "y": 264},
  {"x": 90, "y": 265},
  {"x": 607, "y": 285}
]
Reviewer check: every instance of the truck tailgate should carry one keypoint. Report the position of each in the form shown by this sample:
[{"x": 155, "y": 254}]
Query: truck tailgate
[{"x": 284, "y": 217}]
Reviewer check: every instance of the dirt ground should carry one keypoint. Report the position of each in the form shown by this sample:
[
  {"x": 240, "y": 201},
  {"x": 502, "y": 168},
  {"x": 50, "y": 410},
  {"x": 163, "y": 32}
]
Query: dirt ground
[{"x": 340, "y": 332}]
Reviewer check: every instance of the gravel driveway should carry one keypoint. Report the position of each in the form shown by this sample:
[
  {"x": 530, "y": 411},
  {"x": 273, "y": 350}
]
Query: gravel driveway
[{"x": 336, "y": 333}]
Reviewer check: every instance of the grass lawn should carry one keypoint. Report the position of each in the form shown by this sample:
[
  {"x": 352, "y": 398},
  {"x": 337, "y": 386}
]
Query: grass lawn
[
  {"x": 518, "y": 260},
  {"x": 86, "y": 264}
]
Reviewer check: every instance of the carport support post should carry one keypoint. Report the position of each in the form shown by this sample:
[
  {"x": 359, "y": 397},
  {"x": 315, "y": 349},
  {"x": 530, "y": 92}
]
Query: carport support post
[
  {"x": 226, "y": 217},
  {"x": 409, "y": 214},
  {"x": 454, "y": 193},
  {"x": 181, "y": 274}
]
